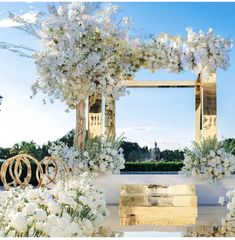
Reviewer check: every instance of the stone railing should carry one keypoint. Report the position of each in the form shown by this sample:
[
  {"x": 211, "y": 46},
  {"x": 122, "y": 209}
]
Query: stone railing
[{"x": 13, "y": 170}]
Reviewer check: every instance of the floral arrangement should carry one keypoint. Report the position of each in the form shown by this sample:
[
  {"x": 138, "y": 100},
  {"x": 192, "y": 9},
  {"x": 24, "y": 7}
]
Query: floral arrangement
[
  {"x": 228, "y": 223},
  {"x": 73, "y": 208},
  {"x": 199, "y": 52},
  {"x": 209, "y": 160},
  {"x": 204, "y": 231},
  {"x": 227, "y": 226},
  {"x": 85, "y": 51},
  {"x": 101, "y": 156}
]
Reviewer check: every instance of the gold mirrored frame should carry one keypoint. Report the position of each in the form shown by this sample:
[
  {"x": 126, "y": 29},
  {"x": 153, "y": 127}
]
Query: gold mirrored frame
[{"x": 205, "y": 106}]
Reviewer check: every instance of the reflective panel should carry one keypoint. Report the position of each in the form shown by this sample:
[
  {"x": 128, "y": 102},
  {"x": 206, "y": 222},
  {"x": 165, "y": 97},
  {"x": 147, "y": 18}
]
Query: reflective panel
[
  {"x": 209, "y": 107},
  {"x": 110, "y": 116},
  {"x": 158, "y": 204},
  {"x": 198, "y": 109},
  {"x": 208, "y": 224},
  {"x": 95, "y": 115}
]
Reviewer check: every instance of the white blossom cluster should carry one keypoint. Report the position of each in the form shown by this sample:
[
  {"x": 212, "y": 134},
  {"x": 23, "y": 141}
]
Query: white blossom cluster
[
  {"x": 199, "y": 52},
  {"x": 83, "y": 52},
  {"x": 228, "y": 223},
  {"x": 210, "y": 161},
  {"x": 86, "y": 50},
  {"x": 99, "y": 157},
  {"x": 73, "y": 208}
]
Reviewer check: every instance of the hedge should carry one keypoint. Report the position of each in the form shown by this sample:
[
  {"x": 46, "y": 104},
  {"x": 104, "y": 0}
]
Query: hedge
[{"x": 152, "y": 166}]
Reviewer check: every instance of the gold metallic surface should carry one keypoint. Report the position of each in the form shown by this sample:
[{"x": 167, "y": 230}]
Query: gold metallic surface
[
  {"x": 110, "y": 124},
  {"x": 158, "y": 204},
  {"x": 198, "y": 109},
  {"x": 162, "y": 221},
  {"x": 58, "y": 165},
  {"x": 155, "y": 190},
  {"x": 95, "y": 115},
  {"x": 160, "y": 84},
  {"x": 80, "y": 129},
  {"x": 15, "y": 167},
  {"x": 12, "y": 169},
  {"x": 205, "y": 101},
  {"x": 209, "y": 107}
]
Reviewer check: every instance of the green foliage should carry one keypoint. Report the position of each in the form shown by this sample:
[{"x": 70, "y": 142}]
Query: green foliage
[
  {"x": 229, "y": 145},
  {"x": 152, "y": 166},
  {"x": 172, "y": 155},
  {"x": 205, "y": 146},
  {"x": 133, "y": 152},
  {"x": 67, "y": 138},
  {"x": 5, "y": 153}
]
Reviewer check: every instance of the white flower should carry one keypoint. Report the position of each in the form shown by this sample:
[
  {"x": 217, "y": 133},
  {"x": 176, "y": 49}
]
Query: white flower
[
  {"x": 212, "y": 153},
  {"x": 76, "y": 229},
  {"x": 18, "y": 222},
  {"x": 65, "y": 199},
  {"x": 53, "y": 207},
  {"x": 40, "y": 215},
  {"x": 221, "y": 200},
  {"x": 32, "y": 194},
  {"x": 101, "y": 158}
]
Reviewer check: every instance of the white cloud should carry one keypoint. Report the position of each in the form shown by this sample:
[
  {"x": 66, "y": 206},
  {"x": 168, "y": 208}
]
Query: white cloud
[
  {"x": 134, "y": 129},
  {"x": 7, "y": 22}
]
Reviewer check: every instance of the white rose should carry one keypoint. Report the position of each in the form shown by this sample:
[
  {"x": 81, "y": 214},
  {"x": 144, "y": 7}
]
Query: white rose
[
  {"x": 85, "y": 154},
  {"x": 39, "y": 226},
  {"x": 55, "y": 232},
  {"x": 18, "y": 222},
  {"x": 40, "y": 215},
  {"x": 83, "y": 200},
  {"x": 46, "y": 228},
  {"x": 32, "y": 193},
  {"x": 53, "y": 207},
  {"x": 75, "y": 229},
  {"x": 29, "y": 208},
  {"x": 212, "y": 153},
  {"x": 52, "y": 219},
  {"x": 65, "y": 199},
  {"x": 74, "y": 184},
  {"x": 113, "y": 152},
  {"x": 80, "y": 165}
]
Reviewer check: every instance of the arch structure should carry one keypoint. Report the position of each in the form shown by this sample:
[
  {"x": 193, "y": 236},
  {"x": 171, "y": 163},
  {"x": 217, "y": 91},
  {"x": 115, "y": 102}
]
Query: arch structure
[{"x": 205, "y": 106}]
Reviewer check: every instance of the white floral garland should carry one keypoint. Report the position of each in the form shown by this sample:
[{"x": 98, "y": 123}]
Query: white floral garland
[
  {"x": 208, "y": 161},
  {"x": 84, "y": 51},
  {"x": 73, "y": 208},
  {"x": 101, "y": 157}
]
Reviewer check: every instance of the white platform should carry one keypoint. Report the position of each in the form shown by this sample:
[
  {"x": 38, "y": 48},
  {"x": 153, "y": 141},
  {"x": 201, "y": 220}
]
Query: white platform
[{"x": 207, "y": 194}]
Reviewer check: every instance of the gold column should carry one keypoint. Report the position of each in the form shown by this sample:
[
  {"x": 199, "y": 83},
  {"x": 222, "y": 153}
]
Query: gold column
[
  {"x": 95, "y": 115},
  {"x": 209, "y": 107},
  {"x": 206, "y": 113},
  {"x": 198, "y": 109},
  {"x": 110, "y": 116},
  {"x": 80, "y": 129}
]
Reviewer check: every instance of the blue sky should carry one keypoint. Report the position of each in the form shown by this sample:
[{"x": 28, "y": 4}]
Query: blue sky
[{"x": 146, "y": 115}]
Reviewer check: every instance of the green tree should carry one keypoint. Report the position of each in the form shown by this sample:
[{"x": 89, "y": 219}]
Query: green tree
[{"x": 172, "y": 155}]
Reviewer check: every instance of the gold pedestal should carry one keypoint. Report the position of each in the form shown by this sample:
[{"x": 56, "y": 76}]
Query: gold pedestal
[{"x": 158, "y": 205}]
